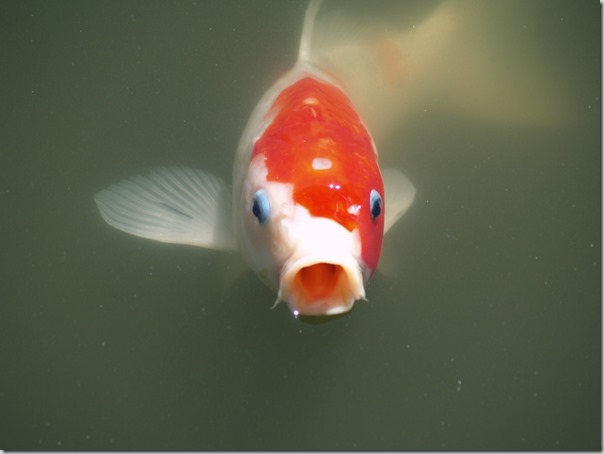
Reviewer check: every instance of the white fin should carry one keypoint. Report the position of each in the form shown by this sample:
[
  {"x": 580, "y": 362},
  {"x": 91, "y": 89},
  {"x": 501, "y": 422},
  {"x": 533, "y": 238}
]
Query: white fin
[
  {"x": 400, "y": 193},
  {"x": 469, "y": 57},
  {"x": 172, "y": 205},
  {"x": 308, "y": 29},
  {"x": 399, "y": 196}
]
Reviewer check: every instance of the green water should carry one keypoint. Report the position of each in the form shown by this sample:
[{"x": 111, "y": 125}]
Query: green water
[{"x": 488, "y": 337}]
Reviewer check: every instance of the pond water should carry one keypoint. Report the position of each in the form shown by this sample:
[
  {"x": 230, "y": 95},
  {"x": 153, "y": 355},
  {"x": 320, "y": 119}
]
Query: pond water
[{"x": 486, "y": 336}]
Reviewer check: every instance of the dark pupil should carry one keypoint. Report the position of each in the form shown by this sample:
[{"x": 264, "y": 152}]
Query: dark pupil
[
  {"x": 376, "y": 209},
  {"x": 256, "y": 210}
]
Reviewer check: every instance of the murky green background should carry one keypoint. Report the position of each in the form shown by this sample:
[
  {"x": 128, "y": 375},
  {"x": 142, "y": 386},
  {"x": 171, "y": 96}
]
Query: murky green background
[{"x": 487, "y": 338}]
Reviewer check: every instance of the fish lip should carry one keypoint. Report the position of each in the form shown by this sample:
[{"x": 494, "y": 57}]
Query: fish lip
[{"x": 346, "y": 288}]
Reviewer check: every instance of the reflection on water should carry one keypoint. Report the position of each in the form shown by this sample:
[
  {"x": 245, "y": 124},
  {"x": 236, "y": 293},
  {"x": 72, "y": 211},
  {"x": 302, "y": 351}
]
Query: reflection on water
[{"x": 485, "y": 336}]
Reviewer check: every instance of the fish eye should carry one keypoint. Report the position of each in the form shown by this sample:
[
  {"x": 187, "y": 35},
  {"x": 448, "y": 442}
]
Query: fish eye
[
  {"x": 261, "y": 207},
  {"x": 375, "y": 203}
]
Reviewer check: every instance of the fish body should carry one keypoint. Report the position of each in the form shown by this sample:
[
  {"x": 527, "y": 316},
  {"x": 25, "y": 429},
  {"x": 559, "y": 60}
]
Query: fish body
[{"x": 310, "y": 159}]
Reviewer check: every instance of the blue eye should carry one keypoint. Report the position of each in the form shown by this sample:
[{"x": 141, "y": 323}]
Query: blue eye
[
  {"x": 261, "y": 207},
  {"x": 375, "y": 204}
]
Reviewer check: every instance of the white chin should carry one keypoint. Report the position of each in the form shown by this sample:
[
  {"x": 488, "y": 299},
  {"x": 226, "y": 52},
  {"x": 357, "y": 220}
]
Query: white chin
[{"x": 323, "y": 276}]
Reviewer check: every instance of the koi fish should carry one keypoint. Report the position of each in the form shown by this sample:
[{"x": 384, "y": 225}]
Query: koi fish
[{"x": 310, "y": 204}]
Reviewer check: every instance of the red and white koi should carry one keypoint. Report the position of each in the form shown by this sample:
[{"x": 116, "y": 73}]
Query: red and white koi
[{"x": 309, "y": 205}]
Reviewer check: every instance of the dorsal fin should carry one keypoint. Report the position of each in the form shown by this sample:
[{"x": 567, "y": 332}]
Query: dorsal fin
[{"x": 307, "y": 30}]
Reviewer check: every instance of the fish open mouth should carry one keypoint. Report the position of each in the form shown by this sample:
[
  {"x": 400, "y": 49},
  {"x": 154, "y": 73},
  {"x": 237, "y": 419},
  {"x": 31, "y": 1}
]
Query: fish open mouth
[
  {"x": 321, "y": 281},
  {"x": 321, "y": 288},
  {"x": 323, "y": 275}
]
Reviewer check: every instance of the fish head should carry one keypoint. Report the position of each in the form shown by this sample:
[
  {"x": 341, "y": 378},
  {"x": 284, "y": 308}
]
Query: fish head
[{"x": 318, "y": 244}]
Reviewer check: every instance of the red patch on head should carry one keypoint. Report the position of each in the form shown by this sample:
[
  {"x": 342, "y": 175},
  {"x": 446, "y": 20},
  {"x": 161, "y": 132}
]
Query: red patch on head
[{"x": 318, "y": 143}]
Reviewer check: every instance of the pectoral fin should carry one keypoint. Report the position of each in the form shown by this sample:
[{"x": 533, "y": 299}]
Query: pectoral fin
[
  {"x": 400, "y": 193},
  {"x": 172, "y": 205}
]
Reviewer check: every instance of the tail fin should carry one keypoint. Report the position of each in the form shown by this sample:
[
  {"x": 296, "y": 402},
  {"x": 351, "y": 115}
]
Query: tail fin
[{"x": 469, "y": 57}]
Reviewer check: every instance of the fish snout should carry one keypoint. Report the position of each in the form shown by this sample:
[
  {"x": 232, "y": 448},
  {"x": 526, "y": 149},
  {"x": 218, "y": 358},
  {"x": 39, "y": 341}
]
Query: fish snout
[{"x": 323, "y": 276}]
